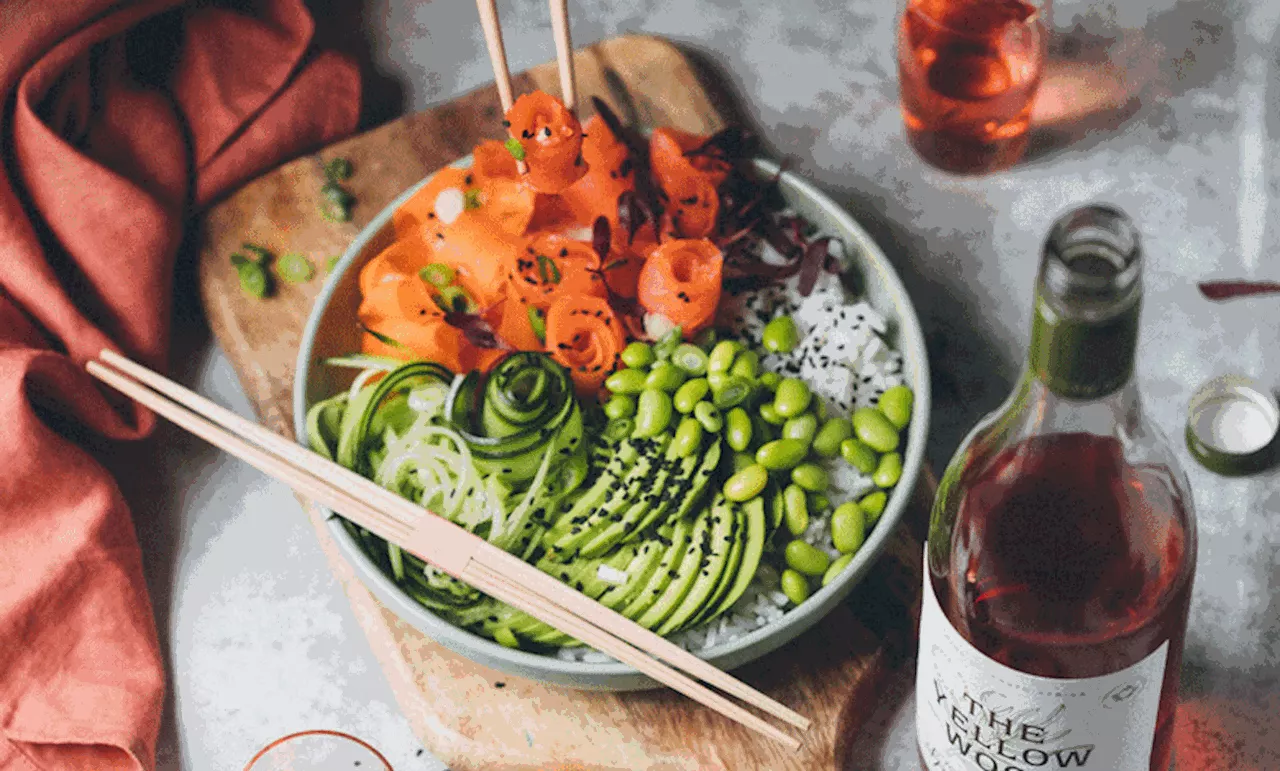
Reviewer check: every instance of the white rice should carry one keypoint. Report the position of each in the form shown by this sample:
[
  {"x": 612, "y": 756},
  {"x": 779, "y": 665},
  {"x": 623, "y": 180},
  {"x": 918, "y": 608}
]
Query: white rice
[{"x": 848, "y": 363}]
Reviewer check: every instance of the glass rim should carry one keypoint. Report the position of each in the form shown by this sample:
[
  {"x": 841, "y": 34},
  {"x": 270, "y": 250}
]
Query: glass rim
[
  {"x": 316, "y": 732},
  {"x": 1039, "y": 6}
]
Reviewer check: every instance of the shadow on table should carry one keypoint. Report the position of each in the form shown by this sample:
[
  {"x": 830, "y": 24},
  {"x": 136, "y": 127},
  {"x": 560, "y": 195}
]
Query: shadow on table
[{"x": 1096, "y": 84}]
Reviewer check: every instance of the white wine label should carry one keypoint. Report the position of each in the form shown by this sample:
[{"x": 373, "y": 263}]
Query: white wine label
[{"x": 972, "y": 712}]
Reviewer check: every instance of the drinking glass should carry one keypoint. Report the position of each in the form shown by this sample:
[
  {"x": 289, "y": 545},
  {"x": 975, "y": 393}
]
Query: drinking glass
[{"x": 968, "y": 71}]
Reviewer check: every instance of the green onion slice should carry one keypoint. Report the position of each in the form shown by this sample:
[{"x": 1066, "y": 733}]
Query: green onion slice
[
  {"x": 438, "y": 274},
  {"x": 539, "y": 324},
  {"x": 337, "y": 169},
  {"x": 295, "y": 268},
  {"x": 253, "y": 279},
  {"x": 515, "y": 148}
]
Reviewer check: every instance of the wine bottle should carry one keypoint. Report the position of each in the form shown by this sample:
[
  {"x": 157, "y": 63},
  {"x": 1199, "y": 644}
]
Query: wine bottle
[{"x": 1062, "y": 543}]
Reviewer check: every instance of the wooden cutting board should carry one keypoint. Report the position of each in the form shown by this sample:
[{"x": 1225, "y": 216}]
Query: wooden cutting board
[{"x": 470, "y": 716}]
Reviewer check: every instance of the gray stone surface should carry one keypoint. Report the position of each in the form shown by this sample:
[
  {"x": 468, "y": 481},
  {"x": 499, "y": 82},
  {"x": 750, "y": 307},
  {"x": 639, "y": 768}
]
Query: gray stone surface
[{"x": 259, "y": 636}]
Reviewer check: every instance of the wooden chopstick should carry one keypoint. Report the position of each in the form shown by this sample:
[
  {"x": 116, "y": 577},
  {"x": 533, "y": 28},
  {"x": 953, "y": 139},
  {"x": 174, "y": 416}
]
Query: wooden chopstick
[
  {"x": 498, "y": 60},
  {"x": 430, "y": 537},
  {"x": 564, "y": 50},
  {"x": 497, "y": 52}
]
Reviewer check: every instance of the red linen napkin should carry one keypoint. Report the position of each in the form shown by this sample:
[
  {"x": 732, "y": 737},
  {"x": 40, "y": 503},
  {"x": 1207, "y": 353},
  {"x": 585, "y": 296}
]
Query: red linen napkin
[{"x": 120, "y": 120}]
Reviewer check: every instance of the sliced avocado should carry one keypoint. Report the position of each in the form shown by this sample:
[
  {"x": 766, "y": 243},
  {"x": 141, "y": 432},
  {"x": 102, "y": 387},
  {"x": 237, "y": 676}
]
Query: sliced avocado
[
  {"x": 753, "y": 547},
  {"x": 688, "y": 492},
  {"x": 532, "y": 544},
  {"x": 695, "y": 556},
  {"x": 604, "y": 485},
  {"x": 730, "y": 572},
  {"x": 723, "y": 522},
  {"x": 665, "y": 572},
  {"x": 582, "y": 576},
  {"x": 658, "y": 492},
  {"x": 567, "y": 545},
  {"x": 639, "y": 572}
]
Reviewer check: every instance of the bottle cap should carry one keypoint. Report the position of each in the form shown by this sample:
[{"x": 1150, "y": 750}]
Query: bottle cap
[{"x": 1232, "y": 425}]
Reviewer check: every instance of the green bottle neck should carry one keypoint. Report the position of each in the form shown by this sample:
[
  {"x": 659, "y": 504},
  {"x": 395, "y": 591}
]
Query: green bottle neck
[{"x": 1081, "y": 358}]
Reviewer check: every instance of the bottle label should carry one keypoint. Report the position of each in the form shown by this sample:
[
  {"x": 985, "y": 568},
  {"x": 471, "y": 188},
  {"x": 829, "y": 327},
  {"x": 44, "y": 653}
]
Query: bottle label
[{"x": 972, "y": 712}]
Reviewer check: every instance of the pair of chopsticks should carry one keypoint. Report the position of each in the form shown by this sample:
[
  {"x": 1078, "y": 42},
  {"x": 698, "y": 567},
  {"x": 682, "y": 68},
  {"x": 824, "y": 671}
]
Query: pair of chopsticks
[
  {"x": 498, "y": 53},
  {"x": 445, "y": 545}
]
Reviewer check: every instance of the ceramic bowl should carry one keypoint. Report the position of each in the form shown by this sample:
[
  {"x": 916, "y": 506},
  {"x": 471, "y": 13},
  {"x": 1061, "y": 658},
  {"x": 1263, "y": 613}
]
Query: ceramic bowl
[{"x": 331, "y": 331}]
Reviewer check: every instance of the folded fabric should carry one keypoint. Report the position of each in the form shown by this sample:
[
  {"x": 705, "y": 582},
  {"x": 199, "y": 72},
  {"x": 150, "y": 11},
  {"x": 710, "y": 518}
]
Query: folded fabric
[{"x": 122, "y": 120}]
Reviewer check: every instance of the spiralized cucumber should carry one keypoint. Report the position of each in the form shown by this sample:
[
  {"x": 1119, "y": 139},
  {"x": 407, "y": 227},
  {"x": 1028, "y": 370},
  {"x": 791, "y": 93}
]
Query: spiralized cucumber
[{"x": 497, "y": 470}]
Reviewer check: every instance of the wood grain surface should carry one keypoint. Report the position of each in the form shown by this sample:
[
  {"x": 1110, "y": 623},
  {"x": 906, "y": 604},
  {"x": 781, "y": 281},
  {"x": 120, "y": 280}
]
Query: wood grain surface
[{"x": 470, "y": 716}]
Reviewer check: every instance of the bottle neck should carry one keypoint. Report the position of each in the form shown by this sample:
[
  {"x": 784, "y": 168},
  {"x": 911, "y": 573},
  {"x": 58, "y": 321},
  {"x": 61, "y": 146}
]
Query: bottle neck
[{"x": 1084, "y": 357}]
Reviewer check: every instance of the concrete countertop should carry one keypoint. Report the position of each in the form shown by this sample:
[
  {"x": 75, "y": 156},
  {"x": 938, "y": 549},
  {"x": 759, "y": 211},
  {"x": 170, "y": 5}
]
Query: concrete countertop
[{"x": 259, "y": 637}]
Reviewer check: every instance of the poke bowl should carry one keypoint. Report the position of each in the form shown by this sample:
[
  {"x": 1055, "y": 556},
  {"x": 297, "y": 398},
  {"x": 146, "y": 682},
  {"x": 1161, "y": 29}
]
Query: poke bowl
[{"x": 860, "y": 303}]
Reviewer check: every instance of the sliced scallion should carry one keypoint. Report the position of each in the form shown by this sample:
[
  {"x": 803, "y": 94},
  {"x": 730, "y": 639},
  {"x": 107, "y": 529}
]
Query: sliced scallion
[
  {"x": 254, "y": 280},
  {"x": 295, "y": 268},
  {"x": 337, "y": 169},
  {"x": 515, "y": 148},
  {"x": 538, "y": 323},
  {"x": 437, "y": 274}
]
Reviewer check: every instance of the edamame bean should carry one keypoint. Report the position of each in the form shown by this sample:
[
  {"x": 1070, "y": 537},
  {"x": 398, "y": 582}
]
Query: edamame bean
[
  {"x": 688, "y": 395},
  {"x": 653, "y": 412},
  {"x": 688, "y": 438},
  {"x": 762, "y": 432},
  {"x": 827, "y": 441},
  {"x": 858, "y": 455},
  {"x": 619, "y": 406},
  {"x": 721, "y": 358},
  {"x": 836, "y": 568},
  {"x": 770, "y": 380},
  {"x": 733, "y": 390},
  {"x": 795, "y": 586},
  {"x": 781, "y": 454},
  {"x": 848, "y": 527},
  {"x": 820, "y": 408},
  {"x": 811, "y": 477},
  {"x": 747, "y": 483},
  {"x": 666, "y": 345},
  {"x": 896, "y": 405},
  {"x": 741, "y": 460},
  {"x": 638, "y": 355},
  {"x": 626, "y": 381},
  {"x": 888, "y": 471},
  {"x": 746, "y": 365},
  {"x": 874, "y": 429},
  {"x": 795, "y": 510},
  {"x": 770, "y": 414},
  {"x": 792, "y": 398},
  {"x": 872, "y": 507},
  {"x": 665, "y": 376},
  {"x": 819, "y": 502},
  {"x": 738, "y": 428},
  {"x": 690, "y": 358},
  {"x": 805, "y": 558},
  {"x": 802, "y": 427},
  {"x": 708, "y": 416},
  {"x": 780, "y": 335}
]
